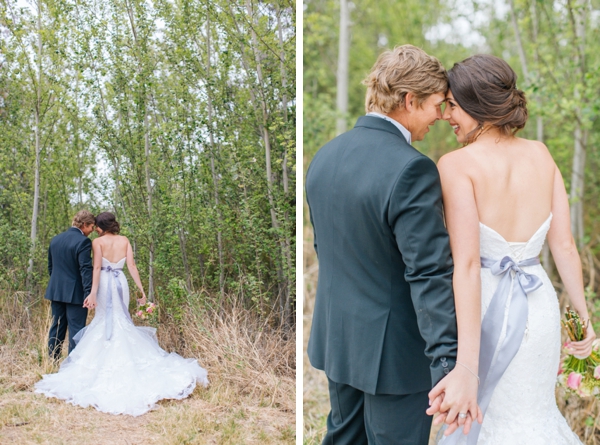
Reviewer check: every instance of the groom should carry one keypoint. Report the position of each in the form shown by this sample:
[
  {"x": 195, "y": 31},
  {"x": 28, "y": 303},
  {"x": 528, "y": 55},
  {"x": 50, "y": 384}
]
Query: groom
[
  {"x": 70, "y": 268},
  {"x": 384, "y": 325}
]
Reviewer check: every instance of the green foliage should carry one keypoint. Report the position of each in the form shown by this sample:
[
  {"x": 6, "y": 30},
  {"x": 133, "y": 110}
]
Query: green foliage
[{"x": 125, "y": 127}]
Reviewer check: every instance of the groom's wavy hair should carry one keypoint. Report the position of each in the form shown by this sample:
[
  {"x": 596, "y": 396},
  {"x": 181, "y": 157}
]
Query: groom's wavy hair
[
  {"x": 108, "y": 222},
  {"x": 485, "y": 87},
  {"x": 402, "y": 70},
  {"x": 82, "y": 218}
]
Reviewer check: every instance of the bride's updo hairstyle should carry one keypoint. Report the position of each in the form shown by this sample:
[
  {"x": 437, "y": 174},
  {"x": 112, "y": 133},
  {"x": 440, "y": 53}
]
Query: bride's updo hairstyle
[
  {"x": 485, "y": 87},
  {"x": 108, "y": 223}
]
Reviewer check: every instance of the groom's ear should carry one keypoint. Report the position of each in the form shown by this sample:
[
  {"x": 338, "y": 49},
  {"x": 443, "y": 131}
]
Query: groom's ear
[{"x": 409, "y": 101}]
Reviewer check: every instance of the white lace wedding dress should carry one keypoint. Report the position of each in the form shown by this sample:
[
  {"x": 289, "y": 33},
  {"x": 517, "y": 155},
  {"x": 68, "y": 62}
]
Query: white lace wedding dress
[
  {"x": 117, "y": 367},
  {"x": 522, "y": 410}
]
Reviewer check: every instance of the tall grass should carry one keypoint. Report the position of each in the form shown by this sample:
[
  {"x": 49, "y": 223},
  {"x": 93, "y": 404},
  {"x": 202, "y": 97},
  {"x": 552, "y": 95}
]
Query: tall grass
[{"x": 251, "y": 397}]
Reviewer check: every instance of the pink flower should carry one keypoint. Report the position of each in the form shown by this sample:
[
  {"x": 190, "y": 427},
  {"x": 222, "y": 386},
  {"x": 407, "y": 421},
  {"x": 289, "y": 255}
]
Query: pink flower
[
  {"x": 574, "y": 380},
  {"x": 139, "y": 313},
  {"x": 584, "y": 392},
  {"x": 150, "y": 309},
  {"x": 597, "y": 373}
]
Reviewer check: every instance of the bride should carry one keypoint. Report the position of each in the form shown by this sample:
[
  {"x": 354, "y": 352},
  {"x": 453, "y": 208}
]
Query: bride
[
  {"x": 117, "y": 367},
  {"x": 503, "y": 196}
]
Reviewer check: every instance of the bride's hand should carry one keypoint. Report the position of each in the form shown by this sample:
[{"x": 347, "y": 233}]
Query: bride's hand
[
  {"x": 90, "y": 301},
  {"x": 583, "y": 349},
  {"x": 142, "y": 301},
  {"x": 459, "y": 389}
]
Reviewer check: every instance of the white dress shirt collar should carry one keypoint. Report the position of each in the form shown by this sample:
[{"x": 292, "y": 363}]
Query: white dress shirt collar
[{"x": 398, "y": 125}]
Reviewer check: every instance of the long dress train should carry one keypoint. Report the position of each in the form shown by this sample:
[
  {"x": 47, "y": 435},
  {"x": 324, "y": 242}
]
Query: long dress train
[{"x": 117, "y": 367}]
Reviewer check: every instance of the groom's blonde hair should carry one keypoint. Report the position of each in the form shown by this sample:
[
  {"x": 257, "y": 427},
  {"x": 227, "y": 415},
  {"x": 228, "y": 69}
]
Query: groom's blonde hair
[
  {"x": 402, "y": 70},
  {"x": 83, "y": 217}
]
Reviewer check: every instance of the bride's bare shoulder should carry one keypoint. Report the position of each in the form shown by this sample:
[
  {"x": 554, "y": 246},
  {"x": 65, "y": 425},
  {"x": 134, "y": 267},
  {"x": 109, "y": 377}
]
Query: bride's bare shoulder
[
  {"x": 536, "y": 148},
  {"x": 454, "y": 160}
]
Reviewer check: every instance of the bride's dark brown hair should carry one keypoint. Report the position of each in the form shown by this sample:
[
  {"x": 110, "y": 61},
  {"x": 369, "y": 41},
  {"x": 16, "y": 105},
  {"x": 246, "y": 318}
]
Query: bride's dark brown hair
[
  {"x": 485, "y": 87},
  {"x": 107, "y": 222}
]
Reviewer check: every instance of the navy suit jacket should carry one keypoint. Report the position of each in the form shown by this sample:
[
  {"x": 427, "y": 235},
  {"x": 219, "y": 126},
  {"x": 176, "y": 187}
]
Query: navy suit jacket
[
  {"x": 70, "y": 267},
  {"x": 384, "y": 319}
]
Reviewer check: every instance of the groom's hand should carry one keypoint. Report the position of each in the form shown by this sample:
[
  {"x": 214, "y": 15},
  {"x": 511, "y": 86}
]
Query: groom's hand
[{"x": 435, "y": 408}]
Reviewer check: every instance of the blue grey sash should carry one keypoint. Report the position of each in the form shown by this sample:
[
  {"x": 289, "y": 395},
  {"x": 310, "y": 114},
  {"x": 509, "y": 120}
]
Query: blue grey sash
[
  {"x": 491, "y": 328},
  {"x": 114, "y": 274}
]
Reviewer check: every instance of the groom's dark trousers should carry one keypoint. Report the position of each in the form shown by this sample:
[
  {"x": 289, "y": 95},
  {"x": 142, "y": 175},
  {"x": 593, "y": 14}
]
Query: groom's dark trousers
[
  {"x": 384, "y": 324},
  {"x": 70, "y": 269}
]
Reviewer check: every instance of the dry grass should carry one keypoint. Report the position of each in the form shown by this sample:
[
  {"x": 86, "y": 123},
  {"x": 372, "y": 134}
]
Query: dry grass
[
  {"x": 251, "y": 398},
  {"x": 583, "y": 415}
]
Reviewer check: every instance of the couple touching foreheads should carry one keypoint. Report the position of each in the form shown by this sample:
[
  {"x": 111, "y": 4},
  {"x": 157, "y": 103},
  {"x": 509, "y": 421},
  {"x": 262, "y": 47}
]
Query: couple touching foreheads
[{"x": 429, "y": 276}]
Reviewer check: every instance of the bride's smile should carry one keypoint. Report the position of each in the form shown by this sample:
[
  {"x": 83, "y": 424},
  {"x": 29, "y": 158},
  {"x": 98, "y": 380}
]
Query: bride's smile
[{"x": 462, "y": 124}]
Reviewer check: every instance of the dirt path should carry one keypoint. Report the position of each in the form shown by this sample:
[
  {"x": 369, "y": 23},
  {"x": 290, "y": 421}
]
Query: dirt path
[{"x": 206, "y": 417}]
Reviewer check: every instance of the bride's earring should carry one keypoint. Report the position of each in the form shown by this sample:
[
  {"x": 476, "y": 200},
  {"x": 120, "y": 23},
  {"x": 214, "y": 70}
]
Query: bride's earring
[{"x": 479, "y": 130}]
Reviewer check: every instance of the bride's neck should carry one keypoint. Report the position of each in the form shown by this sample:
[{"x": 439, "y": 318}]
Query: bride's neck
[{"x": 493, "y": 134}]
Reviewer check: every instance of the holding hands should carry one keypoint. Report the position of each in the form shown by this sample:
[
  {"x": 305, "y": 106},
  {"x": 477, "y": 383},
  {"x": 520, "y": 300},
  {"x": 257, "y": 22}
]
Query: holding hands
[
  {"x": 90, "y": 301},
  {"x": 455, "y": 398}
]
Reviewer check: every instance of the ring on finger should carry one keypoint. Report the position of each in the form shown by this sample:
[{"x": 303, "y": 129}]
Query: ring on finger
[{"x": 462, "y": 415}]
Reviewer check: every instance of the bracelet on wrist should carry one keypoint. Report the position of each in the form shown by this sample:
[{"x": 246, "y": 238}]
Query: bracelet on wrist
[{"x": 467, "y": 368}]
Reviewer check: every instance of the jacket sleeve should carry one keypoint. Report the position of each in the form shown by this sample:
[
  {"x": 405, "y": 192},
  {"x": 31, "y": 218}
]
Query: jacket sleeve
[
  {"x": 313, "y": 226},
  {"x": 84, "y": 257},
  {"x": 416, "y": 218},
  {"x": 49, "y": 261}
]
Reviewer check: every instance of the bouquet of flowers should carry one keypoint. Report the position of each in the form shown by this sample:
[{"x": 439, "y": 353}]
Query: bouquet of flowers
[
  {"x": 146, "y": 311},
  {"x": 579, "y": 375}
]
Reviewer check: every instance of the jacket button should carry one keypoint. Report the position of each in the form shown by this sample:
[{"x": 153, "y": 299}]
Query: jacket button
[
  {"x": 446, "y": 371},
  {"x": 444, "y": 364}
]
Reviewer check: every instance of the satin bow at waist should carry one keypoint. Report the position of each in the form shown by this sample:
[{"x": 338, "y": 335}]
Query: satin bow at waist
[
  {"x": 114, "y": 274},
  {"x": 494, "y": 357}
]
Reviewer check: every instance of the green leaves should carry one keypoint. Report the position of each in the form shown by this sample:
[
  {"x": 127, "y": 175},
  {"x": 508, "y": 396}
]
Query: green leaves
[{"x": 128, "y": 131}]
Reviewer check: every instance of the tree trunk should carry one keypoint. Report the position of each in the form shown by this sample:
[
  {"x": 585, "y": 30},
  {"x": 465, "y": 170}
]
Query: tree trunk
[
  {"x": 577, "y": 17},
  {"x": 288, "y": 245},
  {"x": 36, "y": 186},
  {"x": 267, "y": 141},
  {"x": 577, "y": 183},
  {"x": 148, "y": 181},
  {"x": 212, "y": 166},
  {"x": 149, "y": 204},
  {"x": 186, "y": 266},
  {"x": 342, "y": 68},
  {"x": 522, "y": 57}
]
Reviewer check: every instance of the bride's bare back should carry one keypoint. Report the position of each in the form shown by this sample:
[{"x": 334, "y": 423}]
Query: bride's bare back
[
  {"x": 113, "y": 247},
  {"x": 513, "y": 184}
]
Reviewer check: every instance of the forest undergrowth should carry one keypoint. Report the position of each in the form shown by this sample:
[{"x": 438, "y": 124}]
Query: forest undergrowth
[{"x": 250, "y": 399}]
